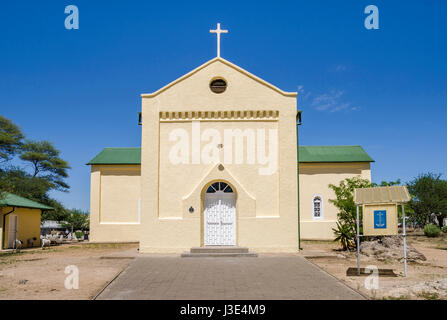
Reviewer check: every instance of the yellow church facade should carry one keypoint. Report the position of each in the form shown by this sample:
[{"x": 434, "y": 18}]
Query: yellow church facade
[{"x": 218, "y": 166}]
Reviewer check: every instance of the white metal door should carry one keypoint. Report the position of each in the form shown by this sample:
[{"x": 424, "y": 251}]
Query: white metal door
[
  {"x": 220, "y": 218},
  {"x": 12, "y": 230}
]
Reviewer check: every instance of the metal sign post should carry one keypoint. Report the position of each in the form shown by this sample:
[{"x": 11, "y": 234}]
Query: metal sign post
[
  {"x": 404, "y": 234},
  {"x": 358, "y": 242}
]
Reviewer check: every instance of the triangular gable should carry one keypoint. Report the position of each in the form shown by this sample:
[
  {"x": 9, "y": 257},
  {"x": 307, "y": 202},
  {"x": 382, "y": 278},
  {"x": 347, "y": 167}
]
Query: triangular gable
[{"x": 228, "y": 63}]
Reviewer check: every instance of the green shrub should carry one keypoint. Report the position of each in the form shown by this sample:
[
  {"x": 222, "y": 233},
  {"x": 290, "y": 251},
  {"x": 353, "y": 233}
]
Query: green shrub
[
  {"x": 79, "y": 234},
  {"x": 444, "y": 229},
  {"x": 432, "y": 231}
]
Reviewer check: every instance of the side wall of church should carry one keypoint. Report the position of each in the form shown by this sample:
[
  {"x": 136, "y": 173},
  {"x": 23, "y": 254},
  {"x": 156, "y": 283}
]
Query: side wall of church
[
  {"x": 115, "y": 199},
  {"x": 314, "y": 182}
]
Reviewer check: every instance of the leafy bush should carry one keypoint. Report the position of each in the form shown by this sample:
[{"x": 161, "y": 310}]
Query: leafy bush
[
  {"x": 79, "y": 235},
  {"x": 432, "y": 231},
  {"x": 444, "y": 229},
  {"x": 429, "y": 197},
  {"x": 345, "y": 235},
  {"x": 345, "y": 232}
]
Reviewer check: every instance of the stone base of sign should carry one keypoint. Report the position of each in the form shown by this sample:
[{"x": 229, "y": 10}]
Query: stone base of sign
[{"x": 352, "y": 272}]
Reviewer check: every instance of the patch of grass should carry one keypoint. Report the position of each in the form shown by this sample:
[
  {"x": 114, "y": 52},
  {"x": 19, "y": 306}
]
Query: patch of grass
[
  {"x": 403, "y": 297},
  {"x": 318, "y": 242},
  {"x": 105, "y": 245},
  {"x": 10, "y": 254},
  {"x": 435, "y": 243},
  {"x": 32, "y": 259},
  {"x": 428, "y": 295}
]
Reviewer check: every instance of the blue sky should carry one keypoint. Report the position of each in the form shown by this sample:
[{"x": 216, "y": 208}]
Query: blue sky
[{"x": 383, "y": 89}]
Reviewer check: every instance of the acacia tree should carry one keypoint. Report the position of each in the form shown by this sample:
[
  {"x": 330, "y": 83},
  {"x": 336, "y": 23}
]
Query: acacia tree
[
  {"x": 48, "y": 169},
  {"x": 46, "y": 163},
  {"x": 11, "y": 138},
  {"x": 347, "y": 213},
  {"x": 17, "y": 181},
  {"x": 429, "y": 196}
]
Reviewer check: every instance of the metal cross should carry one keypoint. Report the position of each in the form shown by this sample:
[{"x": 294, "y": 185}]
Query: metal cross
[{"x": 218, "y": 31}]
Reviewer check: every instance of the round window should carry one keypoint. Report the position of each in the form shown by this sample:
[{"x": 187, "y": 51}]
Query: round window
[{"x": 218, "y": 85}]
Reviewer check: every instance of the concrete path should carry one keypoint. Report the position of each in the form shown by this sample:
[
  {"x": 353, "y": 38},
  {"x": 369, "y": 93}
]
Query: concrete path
[{"x": 266, "y": 277}]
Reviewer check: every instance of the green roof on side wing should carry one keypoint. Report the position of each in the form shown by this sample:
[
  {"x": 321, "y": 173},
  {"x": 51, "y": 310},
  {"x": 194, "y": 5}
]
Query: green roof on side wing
[
  {"x": 306, "y": 154},
  {"x": 118, "y": 156},
  {"x": 333, "y": 154}
]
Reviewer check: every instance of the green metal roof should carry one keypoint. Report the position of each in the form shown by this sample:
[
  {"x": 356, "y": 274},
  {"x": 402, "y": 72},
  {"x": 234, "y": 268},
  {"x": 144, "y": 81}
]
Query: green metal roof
[
  {"x": 12, "y": 200},
  {"x": 118, "y": 156},
  {"x": 306, "y": 154},
  {"x": 333, "y": 154}
]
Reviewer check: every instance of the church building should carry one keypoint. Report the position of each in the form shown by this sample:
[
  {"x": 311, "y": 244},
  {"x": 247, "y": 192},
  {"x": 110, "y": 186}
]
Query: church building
[{"x": 219, "y": 165}]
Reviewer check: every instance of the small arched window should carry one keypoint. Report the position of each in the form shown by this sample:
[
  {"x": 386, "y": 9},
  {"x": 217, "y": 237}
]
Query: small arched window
[
  {"x": 317, "y": 207},
  {"x": 219, "y": 186}
]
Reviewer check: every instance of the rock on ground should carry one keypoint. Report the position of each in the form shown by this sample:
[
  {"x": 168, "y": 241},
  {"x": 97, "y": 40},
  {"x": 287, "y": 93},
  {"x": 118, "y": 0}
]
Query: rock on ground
[
  {"x": 427, "y": 290},
  {"x": 390, "y": 248}
]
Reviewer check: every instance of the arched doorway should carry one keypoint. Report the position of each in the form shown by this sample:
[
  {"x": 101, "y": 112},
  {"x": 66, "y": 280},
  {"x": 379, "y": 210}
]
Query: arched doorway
[{"x": 219, "y": 216}]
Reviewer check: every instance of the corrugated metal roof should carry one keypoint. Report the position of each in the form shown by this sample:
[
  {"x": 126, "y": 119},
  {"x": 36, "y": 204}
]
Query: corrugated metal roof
[
  {"x": 333, "y": 154},
  {"x": 392, "y": 194},
  {"x": 12, "y": 200},
  {"x": 306, "y": 154},
  {"x": 118, "y": 156},
  {"x": 51, "y": 224}
]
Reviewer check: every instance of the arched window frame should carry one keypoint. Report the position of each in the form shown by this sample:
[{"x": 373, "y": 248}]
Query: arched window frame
[
  {"x": 321, "y": 217},
  {"x": 219, "y": 186}
]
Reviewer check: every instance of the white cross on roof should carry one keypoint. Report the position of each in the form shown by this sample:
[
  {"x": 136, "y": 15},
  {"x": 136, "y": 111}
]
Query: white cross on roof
[{"x": 218, "y": 31}]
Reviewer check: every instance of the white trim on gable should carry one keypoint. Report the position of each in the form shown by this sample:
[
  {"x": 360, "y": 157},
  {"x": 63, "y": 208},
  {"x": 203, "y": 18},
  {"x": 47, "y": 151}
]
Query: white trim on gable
[{"x": 228, "y": 63}]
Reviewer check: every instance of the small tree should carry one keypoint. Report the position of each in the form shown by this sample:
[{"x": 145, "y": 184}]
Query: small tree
[
  {"x": 387, "y": 183},
  {"x": 429, "y": 193},
  {"x": 77, "y": 220},
  {"x": 59, "y": 212},
  {"x": 408, "y": 210},
  {"x": 347, "y": 214},
  {"x": 46, "y": 163}
]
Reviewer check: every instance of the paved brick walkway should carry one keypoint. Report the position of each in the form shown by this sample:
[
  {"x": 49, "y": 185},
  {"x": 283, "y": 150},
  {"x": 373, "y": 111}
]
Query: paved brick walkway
[{"x": 266, "y": 277}]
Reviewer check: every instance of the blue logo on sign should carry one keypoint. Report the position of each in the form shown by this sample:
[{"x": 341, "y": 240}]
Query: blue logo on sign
[{"x": 379, "y": 219}]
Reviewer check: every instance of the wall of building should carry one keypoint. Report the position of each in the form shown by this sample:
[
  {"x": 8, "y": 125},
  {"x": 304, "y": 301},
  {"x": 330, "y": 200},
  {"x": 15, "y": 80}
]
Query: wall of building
[
  {"x": 115, "y": 203},
  {"x": 28, "y": 225},
  {"x": 314, "y": 180},
  {"x": 118, "y": 185},
  {"x": 266, "y": 205}
]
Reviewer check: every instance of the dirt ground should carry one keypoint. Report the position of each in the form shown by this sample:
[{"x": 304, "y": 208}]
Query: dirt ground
[
  {"x": 426, "y": 280},
  {"x": 40, "y": 274}
]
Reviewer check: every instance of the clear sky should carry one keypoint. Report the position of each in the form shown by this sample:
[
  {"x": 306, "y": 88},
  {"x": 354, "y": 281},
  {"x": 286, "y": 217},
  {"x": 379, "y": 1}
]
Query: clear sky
[{"x": 385, "y": 89}]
